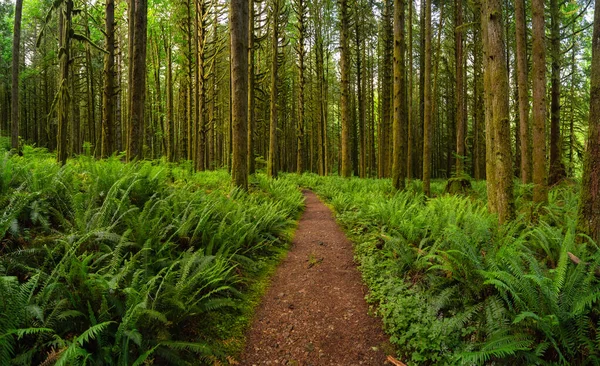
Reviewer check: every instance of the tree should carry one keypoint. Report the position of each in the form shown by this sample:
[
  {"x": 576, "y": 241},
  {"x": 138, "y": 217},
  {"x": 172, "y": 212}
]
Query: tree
[
  {"x": 399, "y": 125},
  {"x": 251, "y": 118},
  {"x": 498, "y": 102},
  {"x": 540, "y": 193},
  {"x": 108, "y": 115},
  {"x": 238, "y": 24},
  {"x": 427, "y": 125},
  {"x": 300, "y": 8},
  {"x": 135, "y": 138},
  {"x": 459, "y": 92},
  {"x": 345, "y": 87},
  {"x": 523, "y": 88},
  {"x": 15, "y": 76},
  {"x": 589, "y": 202},
  {"x": 272, "y": 162}
]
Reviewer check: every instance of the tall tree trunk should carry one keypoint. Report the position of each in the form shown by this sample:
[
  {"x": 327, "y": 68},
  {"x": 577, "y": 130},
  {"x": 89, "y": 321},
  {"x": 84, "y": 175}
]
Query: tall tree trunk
[
  {"x": 251, "y": 118},
  {"x": 540, "y": 191},
  {"x": 523, "y": 88},
  {"x": 201, "y": 14},
  {"x": 459, "y": 91},
  {"x": 399, "y": 126},
  {"x": 490, "y": 136},
  {"x": 345, "y": 87},
  {"x": 64, "y": 98},
  {"x": 108, "y": 114},
  {"x": 135, "y": 138},
  {"x": 498, "y": 77},
  {"x": 238, "y": 23},
  {"x": 16, "y": 47},
  {"x": 360, "y": 91},
  {"x": 410, "y": 121},
  {"x": 272, "y": 161},
  {"x": 427, "y": 125},
  {"x": 557, "y": 168},
  {"x": 301, "y": 27},
  {"x": 386, "y": 92},
  {"x": 589, "y": 203}
]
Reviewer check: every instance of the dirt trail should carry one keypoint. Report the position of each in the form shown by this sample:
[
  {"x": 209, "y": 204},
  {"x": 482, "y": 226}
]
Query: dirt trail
[{"x": 314, "y": 313}]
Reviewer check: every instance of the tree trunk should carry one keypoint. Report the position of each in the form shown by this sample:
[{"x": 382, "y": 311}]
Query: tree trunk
[
  {"x": 108, "y": 115},
  {"x": 498, "y": 77},
  {"x": 427, "y": 125},
  {"x": 16, "y": 47},
  {"x": 301, "y": 27},
  {"x": 238, "y": 22},
  {"x": 557, "y": 168},
  {"x": 589, "y": 203},
  {"x": 272, "y": 161},
  {"x": 459, "y": 91},
  {"x": 523, "y": 87},
  {"x": 64, "y": 98},
  {"x": 540, "y": 192},
  {"x": 251, "y": 118},
  {"x": 345, "y": 88},
  {"x": 135, "y": 140},
  {"x": 399, "y": 126},
  {"x": 386, "y": 92}
]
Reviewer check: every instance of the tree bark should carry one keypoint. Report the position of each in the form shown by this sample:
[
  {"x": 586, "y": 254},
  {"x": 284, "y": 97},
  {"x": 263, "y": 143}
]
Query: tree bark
[
  {"x": 523, "y": 88},
  {"x": 16, "y": 47},
  {"x": 238, "y": 23},
  {"x": 345, "y": 88},
  {"x": 272, "y": 161},
  {"x": 498, "y": 77},
  {"x": 557, "y": 168},
  {"x": 459, "y": 91},
  {"x": 427, "y": 125},
  {"x": 251, "y": 118},
  {"x": 108, "y": 115},
  {"x": 540, "y": 192},
  {"x": 399, "y": 126},
  {"x": 135, "y": 140}
]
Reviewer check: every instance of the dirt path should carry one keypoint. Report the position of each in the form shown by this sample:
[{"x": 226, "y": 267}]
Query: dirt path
[{"x": 314, "y": 313}]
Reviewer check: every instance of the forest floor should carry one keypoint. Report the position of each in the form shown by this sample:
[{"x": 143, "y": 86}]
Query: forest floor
[{"x": 314, "y": 312}]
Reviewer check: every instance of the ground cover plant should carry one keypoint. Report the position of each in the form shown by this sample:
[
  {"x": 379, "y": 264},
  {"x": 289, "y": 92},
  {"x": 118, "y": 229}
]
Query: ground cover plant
[
  {"x": 452, "y": 287},
  {"x": 107, "y": 263}
]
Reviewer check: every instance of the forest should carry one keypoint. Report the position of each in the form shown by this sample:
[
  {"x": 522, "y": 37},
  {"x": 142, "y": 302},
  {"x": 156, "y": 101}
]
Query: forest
[{"x": 157, "y": 159}]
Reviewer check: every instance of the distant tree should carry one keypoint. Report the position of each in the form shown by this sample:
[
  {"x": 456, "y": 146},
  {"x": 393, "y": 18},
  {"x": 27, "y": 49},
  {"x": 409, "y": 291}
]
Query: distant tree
[
  {"x": 345, "y": 86},
  {"x": 15, "y": 75},
  {"x": 589, "y": 204}
]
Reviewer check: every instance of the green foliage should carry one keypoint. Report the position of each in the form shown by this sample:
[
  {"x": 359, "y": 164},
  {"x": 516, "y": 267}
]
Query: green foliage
[
  {"x": 454, "y": 288},
  {"x": 108, "y": 263}
]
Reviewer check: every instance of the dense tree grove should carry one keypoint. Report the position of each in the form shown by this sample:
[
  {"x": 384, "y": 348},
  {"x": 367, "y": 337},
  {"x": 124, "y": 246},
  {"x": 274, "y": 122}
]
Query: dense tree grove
[{"x": 332, "y": 86}]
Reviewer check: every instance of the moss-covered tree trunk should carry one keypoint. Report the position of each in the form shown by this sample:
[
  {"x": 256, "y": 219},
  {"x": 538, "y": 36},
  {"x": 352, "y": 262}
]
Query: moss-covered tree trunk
[
  {"x": 499, "y": 93},
  {"x": 135, "y": 138},
  {"x": 459, "y": 90},
  {"x": 523, "y": 89},
  {"x": 108, "y": 114},
  {"x": 557, "y": 170},
  {"x": 399, "y": 125},
  {"x": 427, "y": 111},
  {"x": 589, "y": 208},
  {"x": 540, "y": 191},
  {"x": 16, "y": 47},
  {"x": 251, "y": 119},
  {"x": 273, "y": 147},
  {"x": 238, "y": 23},
  {"x": 64, "y": 30},
  {"x": 346, "y": 170},
  {"x": 301, "y": 13}
]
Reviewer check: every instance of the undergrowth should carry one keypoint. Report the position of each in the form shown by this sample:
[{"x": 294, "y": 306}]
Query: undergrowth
[
  {"x": 454, "y": 288},
  {"x": 107, "y": 263}
]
